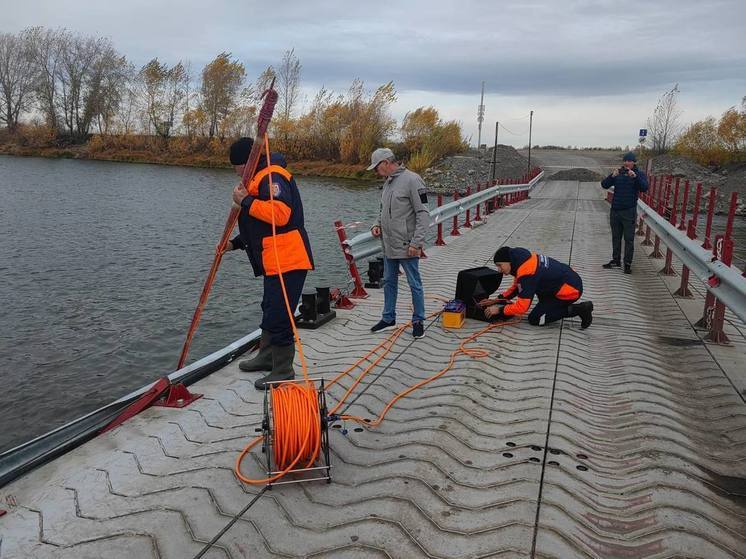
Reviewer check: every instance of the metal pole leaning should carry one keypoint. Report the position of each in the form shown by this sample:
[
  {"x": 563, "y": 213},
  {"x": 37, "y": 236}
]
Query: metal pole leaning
[
  {"x": 359, "y": 291},
  {"x": 439, "y": 240},
  {"x": 663, "y": 187},
  {"x": 650, "y": 197}
]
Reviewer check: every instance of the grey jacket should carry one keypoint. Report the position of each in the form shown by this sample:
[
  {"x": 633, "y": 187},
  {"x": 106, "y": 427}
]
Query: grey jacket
[{"x": 404, "y": 216}]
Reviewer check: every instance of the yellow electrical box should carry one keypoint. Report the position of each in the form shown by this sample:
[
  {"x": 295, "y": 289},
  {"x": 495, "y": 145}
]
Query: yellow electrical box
[{"x": 454, "y": 314}]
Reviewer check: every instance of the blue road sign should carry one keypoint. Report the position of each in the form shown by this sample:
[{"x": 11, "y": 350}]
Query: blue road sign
[{"x": 643, "y": 132}]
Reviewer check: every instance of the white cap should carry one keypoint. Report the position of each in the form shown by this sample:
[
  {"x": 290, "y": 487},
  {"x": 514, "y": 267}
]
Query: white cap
[{"x": 381, "y": 154}]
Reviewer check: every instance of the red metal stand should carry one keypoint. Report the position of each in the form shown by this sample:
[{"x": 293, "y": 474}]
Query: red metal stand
[
  {"x": 707, "y": 245},
  {"x": 178, "y": 396},
  {"x": 478, "y": 217},
  {"x": 359, "y": 291}
]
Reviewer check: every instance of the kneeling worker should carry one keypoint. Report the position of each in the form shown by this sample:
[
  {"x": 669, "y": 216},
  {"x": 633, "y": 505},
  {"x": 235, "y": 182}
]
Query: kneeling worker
[
  {"x": 557, "y": 286},
  {"x": 277, "y": 346}
]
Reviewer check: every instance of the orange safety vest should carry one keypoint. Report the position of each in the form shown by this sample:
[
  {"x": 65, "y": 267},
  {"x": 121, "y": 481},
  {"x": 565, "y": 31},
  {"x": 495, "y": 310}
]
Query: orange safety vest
[{"x": 291, "y": 240}]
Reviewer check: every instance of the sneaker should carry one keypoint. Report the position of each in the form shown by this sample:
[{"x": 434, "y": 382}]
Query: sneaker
[
  {"x": 612, "y": 264},
  {"x": 627, "y": 269},
  {"x": 383, "y": 325},
  {"x": 418, "y": 330}
]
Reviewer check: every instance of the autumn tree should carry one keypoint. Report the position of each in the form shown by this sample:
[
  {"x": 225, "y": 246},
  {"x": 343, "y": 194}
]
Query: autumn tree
[
  {"x": 663, "y": 126},
  {"x": 417, "y": 127},
  {"x": 46, "y": 49},
  {"x": 368, "y": 122},
  {"x": 288, "y": 84},
  {"x": 165, "y": 94},
  {"x": 221, "y": 81},
  {"x": 732, "y": 129},
  {"x": 17, "y": 77}
]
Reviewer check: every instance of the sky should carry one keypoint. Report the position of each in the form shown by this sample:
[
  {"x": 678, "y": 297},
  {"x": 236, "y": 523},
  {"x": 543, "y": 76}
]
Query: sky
[{"x": 591, "y": 71}]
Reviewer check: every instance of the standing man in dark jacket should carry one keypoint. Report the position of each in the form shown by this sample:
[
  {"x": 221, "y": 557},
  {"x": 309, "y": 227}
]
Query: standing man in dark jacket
[
  {"x": 628, "y": 181},
  {"x": 401, "y": 224},
  {"x": 293, "y": 254}
]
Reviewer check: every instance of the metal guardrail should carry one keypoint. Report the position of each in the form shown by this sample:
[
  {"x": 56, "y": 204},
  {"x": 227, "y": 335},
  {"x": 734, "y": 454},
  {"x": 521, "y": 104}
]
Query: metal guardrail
[
  {"x": 366, "y": 245},
  {"x": 31, "y": 454},
  {"x": 730, "y": 287}
]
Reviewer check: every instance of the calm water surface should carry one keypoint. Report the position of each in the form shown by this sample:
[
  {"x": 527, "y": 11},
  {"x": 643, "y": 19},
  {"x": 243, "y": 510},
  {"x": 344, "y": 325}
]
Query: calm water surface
[{"x": 101, "y": 265}]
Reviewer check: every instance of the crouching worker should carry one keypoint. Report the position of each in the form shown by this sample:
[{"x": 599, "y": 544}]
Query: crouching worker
[
  {"x": 556, "y": 285},
  {"x": 277, "y": 346}
]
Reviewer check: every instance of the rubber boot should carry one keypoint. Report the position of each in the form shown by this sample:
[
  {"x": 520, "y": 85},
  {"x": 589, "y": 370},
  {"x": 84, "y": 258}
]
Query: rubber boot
[
  {"x": 282, "y": 365},
  {"x": 584, "y": 311},
  {"x": 262, "y": 361}
]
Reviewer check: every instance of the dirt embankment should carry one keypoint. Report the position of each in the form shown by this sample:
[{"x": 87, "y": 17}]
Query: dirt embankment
[
  {"x": 458, "y": 172},
  {"x": 577, "y": 174},
  {"x": 728, "y": 179}
]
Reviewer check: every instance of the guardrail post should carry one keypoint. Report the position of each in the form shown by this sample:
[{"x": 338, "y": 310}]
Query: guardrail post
[
  {"x": 477, "y": 216},
  {"x": 455, "y": 232},
  {"x": 668, "y": 266},
  {"x": 682, "y": 224},
  {"x": 662, "y": 199},
  {"x": 650, "y": 197},
  {"x": 467, "y": 223},
  {"x": 717, "y": 335},
  {"x": 707, "y": 245},
  {"x": 695, "y": 211},
  {"x": 439, "y": 241},
  {"x": 359, "y": 291},
  {"x": 683, "y": 290}
]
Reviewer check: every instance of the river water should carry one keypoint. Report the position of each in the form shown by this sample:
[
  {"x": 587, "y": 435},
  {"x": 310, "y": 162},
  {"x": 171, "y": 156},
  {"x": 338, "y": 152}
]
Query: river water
[{"x": 102, "y": 264}]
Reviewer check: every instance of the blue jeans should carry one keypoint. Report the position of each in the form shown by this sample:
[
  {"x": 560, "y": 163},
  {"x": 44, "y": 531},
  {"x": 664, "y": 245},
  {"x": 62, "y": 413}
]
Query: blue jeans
[{"x": 391, "y": 287}]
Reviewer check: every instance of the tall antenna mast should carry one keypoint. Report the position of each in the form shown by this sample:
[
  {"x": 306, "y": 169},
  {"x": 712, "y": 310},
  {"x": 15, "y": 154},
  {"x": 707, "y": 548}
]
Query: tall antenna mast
[{"x": 480, "y": 118}]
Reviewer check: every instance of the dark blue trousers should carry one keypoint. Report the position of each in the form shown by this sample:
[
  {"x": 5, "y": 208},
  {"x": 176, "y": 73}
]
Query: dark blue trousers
[{"x": 274, "y": 313}]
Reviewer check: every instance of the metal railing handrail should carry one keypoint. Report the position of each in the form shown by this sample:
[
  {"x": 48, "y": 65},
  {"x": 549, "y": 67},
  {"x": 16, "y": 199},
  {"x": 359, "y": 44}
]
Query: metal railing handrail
[
  {"x": 365, "y": 245},
  {"x": 730, "y": 287}
]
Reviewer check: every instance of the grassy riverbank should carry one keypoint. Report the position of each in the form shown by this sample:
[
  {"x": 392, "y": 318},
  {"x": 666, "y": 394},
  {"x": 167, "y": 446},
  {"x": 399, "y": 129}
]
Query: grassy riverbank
[{"x": 205, "y": 159}]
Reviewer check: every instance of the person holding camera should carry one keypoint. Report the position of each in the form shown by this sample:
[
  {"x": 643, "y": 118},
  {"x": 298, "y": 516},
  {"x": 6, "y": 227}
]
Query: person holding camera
[{"x": 628, "y": 181}]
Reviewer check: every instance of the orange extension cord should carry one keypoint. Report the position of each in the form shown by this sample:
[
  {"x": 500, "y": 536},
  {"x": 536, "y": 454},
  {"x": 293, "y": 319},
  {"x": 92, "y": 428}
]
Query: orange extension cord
[{"x": 295, "y": 419}]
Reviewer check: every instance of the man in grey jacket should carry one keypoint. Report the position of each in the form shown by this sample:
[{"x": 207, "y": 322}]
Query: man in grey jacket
[{"x": 402, "y": 224}]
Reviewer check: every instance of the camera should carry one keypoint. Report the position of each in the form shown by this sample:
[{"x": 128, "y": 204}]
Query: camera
[{"x": 623, "y": 171}]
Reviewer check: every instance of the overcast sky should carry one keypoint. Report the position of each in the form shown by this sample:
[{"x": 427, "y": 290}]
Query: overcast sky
[{"x": 591, "y": 71}]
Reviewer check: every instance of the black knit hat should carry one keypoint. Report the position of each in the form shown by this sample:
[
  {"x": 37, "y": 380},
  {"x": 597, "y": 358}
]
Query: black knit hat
[
  {"x": 502, "y": 255},
  {"x": 240, "y": 149}
]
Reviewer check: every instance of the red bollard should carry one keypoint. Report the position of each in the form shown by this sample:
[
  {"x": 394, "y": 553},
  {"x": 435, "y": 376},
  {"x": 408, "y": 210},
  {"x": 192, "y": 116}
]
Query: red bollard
[
  {"x": 359, "y": 291},
  {"x": 707, "y": 245},
  {"x": 439, "y": 241},
  {"x": 682, "y": 224},
  {"x": 455, "y": 232},
  {"x": 467, "y": 223}
]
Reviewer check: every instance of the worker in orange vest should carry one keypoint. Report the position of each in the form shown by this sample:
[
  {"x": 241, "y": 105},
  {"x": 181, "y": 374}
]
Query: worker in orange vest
[{"x": 289, "y": 253}]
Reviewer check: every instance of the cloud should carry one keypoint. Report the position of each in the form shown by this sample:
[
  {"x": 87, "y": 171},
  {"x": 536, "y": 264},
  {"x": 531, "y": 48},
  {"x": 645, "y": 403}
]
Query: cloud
[{"x": 602, "y": 53}]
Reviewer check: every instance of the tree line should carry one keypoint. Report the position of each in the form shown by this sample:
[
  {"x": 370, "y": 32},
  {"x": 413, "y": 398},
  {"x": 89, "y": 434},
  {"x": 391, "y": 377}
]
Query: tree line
[
  {"x": 60, "y": 86},
  {"x": 711, "y": 141}
]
